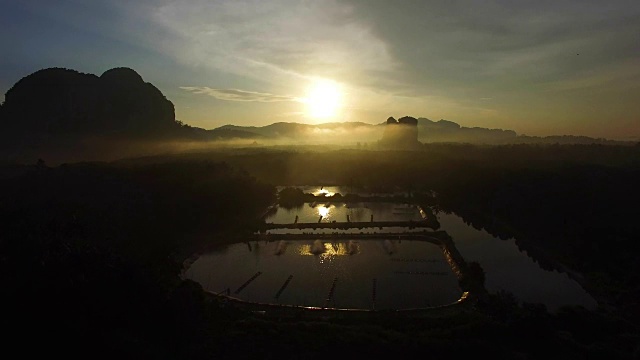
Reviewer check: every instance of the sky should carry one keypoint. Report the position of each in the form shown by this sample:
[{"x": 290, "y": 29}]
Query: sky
[{"x": 562, "y": 67}]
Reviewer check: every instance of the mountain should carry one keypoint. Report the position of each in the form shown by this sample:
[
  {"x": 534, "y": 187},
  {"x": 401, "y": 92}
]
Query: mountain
[
  {"x": 429, "y": 131},
  {"x": 400, "y": 134},
  {"x": 60, "y": 101},
  {"x": 449, "y": 131},
  {"x": 59, "y": 110},
  {"x": 325, "y": 132}
]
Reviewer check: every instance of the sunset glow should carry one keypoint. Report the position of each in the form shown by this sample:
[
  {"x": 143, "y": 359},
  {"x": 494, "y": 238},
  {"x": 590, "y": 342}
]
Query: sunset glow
[
  {"x": 323, "y": 211},
  {"x": 323, "y": 99},
  {"x": 527, "y": 67}
]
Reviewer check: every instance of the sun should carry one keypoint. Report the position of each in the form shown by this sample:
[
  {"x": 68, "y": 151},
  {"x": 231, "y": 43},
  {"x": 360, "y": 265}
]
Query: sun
[{"x": 324, "y": 99}]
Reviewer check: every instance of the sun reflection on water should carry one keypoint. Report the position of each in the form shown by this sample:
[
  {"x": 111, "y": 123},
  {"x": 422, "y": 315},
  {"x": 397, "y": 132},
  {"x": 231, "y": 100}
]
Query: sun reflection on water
[
  {"x": 328, "y": 250},
  {"x": 323, "y": 211},
  {"x": 323, "y": 192}
]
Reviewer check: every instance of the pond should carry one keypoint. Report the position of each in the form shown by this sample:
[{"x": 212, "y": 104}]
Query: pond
[
  {"x": 402, "y": 274},
  {"x": 508, "y": 268},
  {"x": 342, "y": 190},
  {"x": 375, "y": 273},
  {"x": 343, "y": 212}
]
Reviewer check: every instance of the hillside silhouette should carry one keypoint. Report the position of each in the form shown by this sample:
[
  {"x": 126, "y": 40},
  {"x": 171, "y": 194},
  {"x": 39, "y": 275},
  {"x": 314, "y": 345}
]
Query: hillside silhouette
[
  {"x": 62, "y": 101},
  {"x": 59, "y": 109},
  {"x": 400, "y": 134},
  {"x": 429, "y": 131}
]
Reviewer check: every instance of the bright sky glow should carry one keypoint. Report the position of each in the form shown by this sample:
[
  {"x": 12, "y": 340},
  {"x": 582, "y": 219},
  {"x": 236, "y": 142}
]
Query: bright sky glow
[
  {"x": 323, "y": 99},
  {"x": 536, "y": 67}
]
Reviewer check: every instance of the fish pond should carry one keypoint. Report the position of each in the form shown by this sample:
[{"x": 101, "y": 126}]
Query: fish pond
[{"x": 352, "y": 271}]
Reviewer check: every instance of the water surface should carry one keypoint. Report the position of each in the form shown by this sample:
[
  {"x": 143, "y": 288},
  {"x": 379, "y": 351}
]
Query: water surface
[{"x": 407, "y": 274}]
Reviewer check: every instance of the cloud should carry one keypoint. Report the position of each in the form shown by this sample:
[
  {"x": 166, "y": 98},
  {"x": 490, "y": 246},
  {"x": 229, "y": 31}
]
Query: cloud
[
  {"x": 280, "y": 41},
  {"x": 624, "y": 75},
  {"x": 238, "y": 95},
  {"x": 444, "y": 46}
]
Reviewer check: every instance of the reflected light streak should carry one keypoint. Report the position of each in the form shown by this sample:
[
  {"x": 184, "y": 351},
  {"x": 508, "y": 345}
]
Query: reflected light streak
[
  {"x": 327, "y": 251},
  {"x": 323, "y": 192},
  {"x": 323, "y": 211}
]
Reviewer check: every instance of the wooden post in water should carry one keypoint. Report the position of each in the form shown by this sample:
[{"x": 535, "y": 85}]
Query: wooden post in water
[
  {"x": 247, "y": 282},
  {"x": 373, "y": 295},
  {"x": 331, "y": 290},
  {"x": 284, "y": 286}
]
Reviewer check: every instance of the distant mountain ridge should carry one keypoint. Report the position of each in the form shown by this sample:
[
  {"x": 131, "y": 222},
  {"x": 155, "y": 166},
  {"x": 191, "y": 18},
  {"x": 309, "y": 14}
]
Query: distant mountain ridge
[
  {"x": 292, "y": 129},
  {"x": 429, "y": 131},
  {"x": 63, "y": 110}
]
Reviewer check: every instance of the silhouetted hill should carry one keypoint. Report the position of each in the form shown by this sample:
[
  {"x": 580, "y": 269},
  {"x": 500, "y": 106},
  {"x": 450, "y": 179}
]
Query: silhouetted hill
[
  {"x": 400, "y": 134},
  {"x": 199, "y": 134},
  {"x": 57, "y": 110},
  {"x": 59, "y": 101},
  {"x": 429, "y": 131},
  {"x": 293, "y": 130},
  {"x": 567, "y": 139},
  {"x": 449, "y": 131}
]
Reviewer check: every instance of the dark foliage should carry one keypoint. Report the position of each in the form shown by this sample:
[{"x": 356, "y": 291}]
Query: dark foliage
[
  {"x": 290, "y": 197},
  {"x": 95, "y": 251}
]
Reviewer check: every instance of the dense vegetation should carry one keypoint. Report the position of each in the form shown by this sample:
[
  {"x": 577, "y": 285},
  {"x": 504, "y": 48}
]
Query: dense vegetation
[
  {"x": 94, "y": 250},
  {"x": 91, "y": 252}
]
